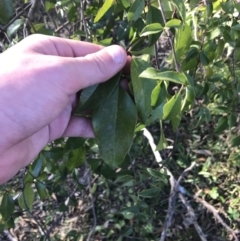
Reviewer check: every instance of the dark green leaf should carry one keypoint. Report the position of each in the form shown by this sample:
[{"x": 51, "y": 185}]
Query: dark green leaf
[
  {"x": 7, "y": 206},
  {"x": 151, "y": 29},
  {"x": 114, "y": 124},
  {"x": 106, "y": 6},
  {"x": 41, "y": 189},
  {"x": 76, "y": 158},
  {"x": 27, "y": 197},
  {"x": 149, "y": 193},
  {"x": 222, "y": 124},
  {"x": 6, "y": 11},
  {"x": 135, "y": 10},
  {"x": 154, "y": 16},
  {"x": 95, "y": 95},
  {"x": 178, "y": 78},
  {"x": 235, "y": 141},
  {"x": 158, "y": 175},
  {"x": 142, "y": 88},
  {"x": 37, "y": 166}
]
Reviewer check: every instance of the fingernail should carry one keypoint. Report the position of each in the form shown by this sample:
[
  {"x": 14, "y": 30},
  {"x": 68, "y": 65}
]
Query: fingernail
[{"x": 117, "y": 53}]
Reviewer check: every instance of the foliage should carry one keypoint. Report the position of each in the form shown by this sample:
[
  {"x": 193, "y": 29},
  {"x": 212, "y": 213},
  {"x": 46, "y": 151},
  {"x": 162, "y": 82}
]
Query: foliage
[{"x": 183, "y": 86}]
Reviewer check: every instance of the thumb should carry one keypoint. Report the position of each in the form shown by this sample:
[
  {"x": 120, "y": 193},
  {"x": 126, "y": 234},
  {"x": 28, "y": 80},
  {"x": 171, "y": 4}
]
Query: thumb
[{"x": 96, "y": 67}]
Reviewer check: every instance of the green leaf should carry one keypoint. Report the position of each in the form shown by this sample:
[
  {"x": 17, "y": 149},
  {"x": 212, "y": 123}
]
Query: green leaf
[
  {"x": 7, "y": 206},
  {"x": 232, "y": 119},
  {"x": 76, "y": 158},
  {"x": 6, "y": 11},
  {"x": 173, "y": 23},
  {"x": 182, "y": 41},
  {"x": 204, "y": 58},
  {"x": 157, "y": 174},
  {"x": 235, "y": 141},
  {"x": 222, "y": 124},
  {"x": 135, "y": 10},
  {"x": 27, "y": 197},
  {"x": 13, "y": 28},
  {"x": 40, "y": 28},
  {"x": 142, "y": 88},
  {"x": 114, "y": 124},
  {"x": 173, "y": 107},
  {"x": 106, "y": 6},
  {"x": 162, "y": 144},
  {"x": 95, "y": 95},
  {"x": 179, "y": 4},
  {"x": 37, "y": 166},
  {"x": 153, "y": 16},
  {"x": 41, "y": 189},
  {"x": 188, "y": 101},
  {"x": 149, "y": 193},
  {"x": 178, "y": 78},
  {"x": 151, "y": 29}
]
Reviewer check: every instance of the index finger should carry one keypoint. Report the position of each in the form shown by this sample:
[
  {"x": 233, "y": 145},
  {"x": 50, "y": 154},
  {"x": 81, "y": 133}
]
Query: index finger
[{"x": 56, "y": 46}]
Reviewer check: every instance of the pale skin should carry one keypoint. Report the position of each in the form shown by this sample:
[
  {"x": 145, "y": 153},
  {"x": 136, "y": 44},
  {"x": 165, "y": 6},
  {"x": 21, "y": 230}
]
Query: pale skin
[{"x": 39, "y": 79}]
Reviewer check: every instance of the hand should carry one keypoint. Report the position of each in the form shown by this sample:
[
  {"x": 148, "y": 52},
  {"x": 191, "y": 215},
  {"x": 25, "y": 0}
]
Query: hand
[{"x": 39, "y": 79}]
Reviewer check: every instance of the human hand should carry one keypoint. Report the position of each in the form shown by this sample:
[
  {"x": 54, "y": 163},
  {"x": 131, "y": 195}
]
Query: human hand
[{"x": 39, "y": 79}]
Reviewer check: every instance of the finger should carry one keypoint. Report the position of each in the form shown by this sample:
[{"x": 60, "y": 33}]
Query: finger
[
  {"x": 79, "y": 127},
  {"x": 49, "y": 45},
  {"x": 92, "y": 69}
]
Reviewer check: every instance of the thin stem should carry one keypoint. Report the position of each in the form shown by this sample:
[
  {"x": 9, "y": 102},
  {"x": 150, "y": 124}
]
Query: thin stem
[{"x": 169, "y": 34}]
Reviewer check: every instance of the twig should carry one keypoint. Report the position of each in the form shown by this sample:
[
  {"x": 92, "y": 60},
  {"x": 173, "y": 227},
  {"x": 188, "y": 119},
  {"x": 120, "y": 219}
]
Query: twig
[
  {"x": 9, "y": 235},
  {"x": 13, "y": 19},
  {"x": 175, "y": 188},
  {"x": 213, "y": 210},
  {"x": 184, "y": 173},
  {"x": 169, "y": 34},
  {"x": 83, "y": 20},
  {"x": 193, "y": 216},
  {"x": 93, "y": 211},
  {"x": 29, "y": 16}
]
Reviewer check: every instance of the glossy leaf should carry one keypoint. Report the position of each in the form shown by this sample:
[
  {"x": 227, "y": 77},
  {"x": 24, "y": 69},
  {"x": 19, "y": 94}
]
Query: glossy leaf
[
  {"x": 41, "y": 189},
  {"x": 27, "y": 197},
  {"x": 178, "y": 78},
  {"x": 188, "y": 101},
  {"x": 95, "y": 95},
  {"x": 106, "y": 6},
  {"x": 14, "y": 27},
  {"x": 151, "y": 29},
  {"x": 173, "y": 107},
  {"x": 7, "y": 206},
  {"x": 136, "y": 10},
  {"x": 6, "y": 11},
  {"x": 182, "y": 41},
  {"x": 173, "y": 23},
  {"x": 142, "y": 88},
  {"x": 114, "y": 124},
  {"x": 153, "y": 16}
]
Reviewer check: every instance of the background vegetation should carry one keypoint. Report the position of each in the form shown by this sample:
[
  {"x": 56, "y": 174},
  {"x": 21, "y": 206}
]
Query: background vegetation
[{"x": 183, "y": 95}]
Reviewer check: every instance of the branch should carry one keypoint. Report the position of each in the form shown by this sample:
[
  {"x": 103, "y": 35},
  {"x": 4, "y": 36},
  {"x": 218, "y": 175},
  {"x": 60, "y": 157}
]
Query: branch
[
  {"x": 213, "y": 210},
  {"x": 193, "y": 216},
  {"x": 175, "y": 188},
  {"x": 93, "y": 211},
  {"x": 169, "y": 34},
  {"x": 83, "y": 20},
  {"x": 29, "y": 16}
]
